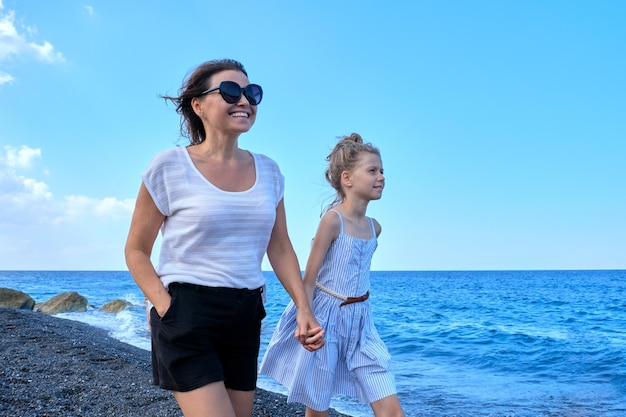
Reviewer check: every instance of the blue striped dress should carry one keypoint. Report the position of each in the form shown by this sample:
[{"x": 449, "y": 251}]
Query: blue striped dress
[{"x": 354, "y": 361}]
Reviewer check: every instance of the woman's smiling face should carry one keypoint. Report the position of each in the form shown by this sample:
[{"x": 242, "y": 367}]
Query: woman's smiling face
[{"x": 217, "y": 114}]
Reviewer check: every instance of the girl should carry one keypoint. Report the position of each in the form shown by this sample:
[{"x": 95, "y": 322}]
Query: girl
[{"x": 354, "y": 359}]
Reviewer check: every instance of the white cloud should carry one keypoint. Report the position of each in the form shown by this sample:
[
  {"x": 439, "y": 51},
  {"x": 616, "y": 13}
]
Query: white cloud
[
  {"x": 18, "y": 43},
  {"x": 46, "y": 52},
  {"x": 39, "y": 231},
  {"x": 114, "y": 208},
  {"x": 9, "y": 39},
  {"x": 17, "y": 192},
  {"x": 106, "y": 208},
  {"x": 6, "y": 78},
  {"x": 22, "y": 157},
  {"x": 90, "y": 10}
]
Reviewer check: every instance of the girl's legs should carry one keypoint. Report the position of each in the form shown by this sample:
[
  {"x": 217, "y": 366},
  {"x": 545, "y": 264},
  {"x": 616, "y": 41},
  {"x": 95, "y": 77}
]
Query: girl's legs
[
  {"x": 313, "y": 413},
  {"x": 214, "y": 400},
  {"x": 387, "y": 407}
]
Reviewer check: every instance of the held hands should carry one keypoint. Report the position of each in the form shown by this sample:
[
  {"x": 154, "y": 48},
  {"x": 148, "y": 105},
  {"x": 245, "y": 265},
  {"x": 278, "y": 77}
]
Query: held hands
[{"x": 309, "y": 333}]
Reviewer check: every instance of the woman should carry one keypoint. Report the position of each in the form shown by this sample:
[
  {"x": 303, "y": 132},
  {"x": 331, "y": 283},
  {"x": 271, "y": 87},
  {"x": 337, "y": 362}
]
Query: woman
[{"x": 220, "y": 210}]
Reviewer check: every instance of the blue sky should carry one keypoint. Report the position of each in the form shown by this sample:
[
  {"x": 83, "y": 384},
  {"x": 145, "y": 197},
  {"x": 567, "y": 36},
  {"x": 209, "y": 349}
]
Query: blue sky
[{"x": 501, "y": 123}]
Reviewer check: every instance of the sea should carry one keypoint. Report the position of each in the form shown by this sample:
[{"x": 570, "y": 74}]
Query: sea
[{"x": 463, "y": 343}]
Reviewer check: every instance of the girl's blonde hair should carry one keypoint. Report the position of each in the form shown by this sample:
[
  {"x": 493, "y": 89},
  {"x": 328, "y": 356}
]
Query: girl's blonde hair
[{"x": 344, "y": 157}]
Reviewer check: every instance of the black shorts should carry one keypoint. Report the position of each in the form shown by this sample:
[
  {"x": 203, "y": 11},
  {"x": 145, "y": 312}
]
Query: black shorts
[{"x": 209, "y": 334}]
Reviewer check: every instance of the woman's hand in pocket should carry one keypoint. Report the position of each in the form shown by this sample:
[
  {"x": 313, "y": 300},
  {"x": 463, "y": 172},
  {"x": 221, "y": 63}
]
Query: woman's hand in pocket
[{"x": 163, "y": 305}]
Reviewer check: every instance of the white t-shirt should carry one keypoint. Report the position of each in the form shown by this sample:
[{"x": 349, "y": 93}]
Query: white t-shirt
[{"x": 212, "y": 237}]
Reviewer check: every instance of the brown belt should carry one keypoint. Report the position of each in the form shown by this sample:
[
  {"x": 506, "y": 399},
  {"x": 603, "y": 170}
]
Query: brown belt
[{"x": 352, "y": 300}]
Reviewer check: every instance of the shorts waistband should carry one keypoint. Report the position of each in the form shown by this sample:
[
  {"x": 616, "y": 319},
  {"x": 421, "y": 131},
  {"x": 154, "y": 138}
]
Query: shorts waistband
[{"x": 217, "y": 290}]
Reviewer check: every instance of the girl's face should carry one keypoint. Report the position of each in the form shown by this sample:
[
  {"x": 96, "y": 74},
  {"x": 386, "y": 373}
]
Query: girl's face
[
  {"x": 367, "y": 179},
  {"x": 219, "y": 115}
]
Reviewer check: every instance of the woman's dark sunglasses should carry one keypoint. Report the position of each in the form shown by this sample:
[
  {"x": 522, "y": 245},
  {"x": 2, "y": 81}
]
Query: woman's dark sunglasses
[{"x": 231, "y": 92}]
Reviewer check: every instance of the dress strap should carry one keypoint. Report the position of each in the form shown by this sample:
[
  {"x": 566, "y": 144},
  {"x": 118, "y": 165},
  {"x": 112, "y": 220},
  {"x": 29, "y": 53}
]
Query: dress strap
[
  {"x": 373, "y": 228},
  {"x": 340, "y": 220}
]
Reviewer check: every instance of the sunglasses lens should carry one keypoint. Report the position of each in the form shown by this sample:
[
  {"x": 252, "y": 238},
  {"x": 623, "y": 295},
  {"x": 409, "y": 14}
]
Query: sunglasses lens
[
  {"x": 230, "y": 91},
  {"x": 254, "y": 93}
]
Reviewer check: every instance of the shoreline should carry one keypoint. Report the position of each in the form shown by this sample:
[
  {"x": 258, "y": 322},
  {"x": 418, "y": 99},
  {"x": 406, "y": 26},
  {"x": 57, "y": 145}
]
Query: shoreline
[{"x": 59, "y": 367}]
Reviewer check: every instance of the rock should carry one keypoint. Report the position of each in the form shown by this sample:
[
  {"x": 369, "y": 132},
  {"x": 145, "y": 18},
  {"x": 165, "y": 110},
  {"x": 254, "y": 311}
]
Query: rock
[
  {"x": 67, "y": 302},
  {"x": 16, "y": 299},
  {"x": 115, "y": 306}
]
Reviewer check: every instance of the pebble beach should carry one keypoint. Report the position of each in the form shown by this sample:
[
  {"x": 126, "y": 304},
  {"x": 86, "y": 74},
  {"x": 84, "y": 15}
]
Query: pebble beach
[{"x": 54, "y": 367}]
